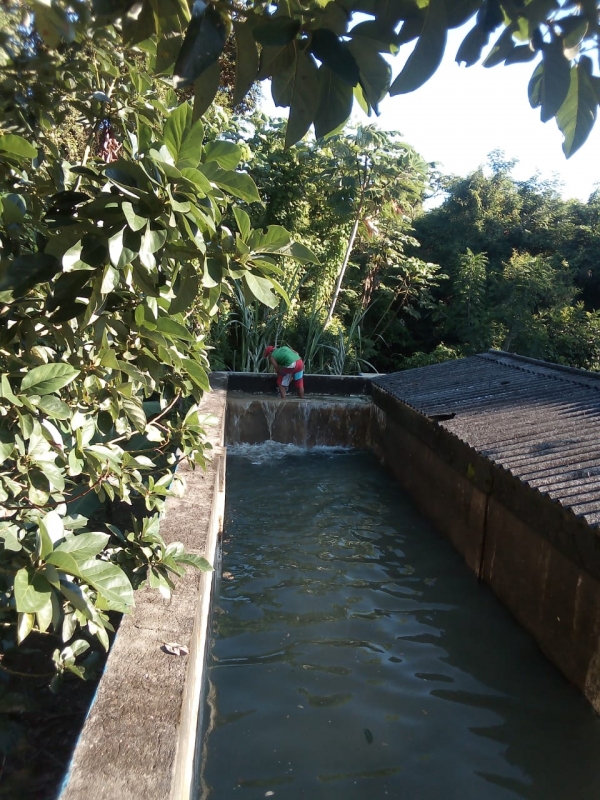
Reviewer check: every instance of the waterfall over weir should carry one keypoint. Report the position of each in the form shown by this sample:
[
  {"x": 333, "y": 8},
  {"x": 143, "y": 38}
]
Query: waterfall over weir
[{"x": 316, "y": 420}]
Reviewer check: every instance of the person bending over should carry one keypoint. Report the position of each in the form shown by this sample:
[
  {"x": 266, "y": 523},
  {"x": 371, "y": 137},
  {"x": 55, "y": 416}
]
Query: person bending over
[{"x": 289, "y": 368}]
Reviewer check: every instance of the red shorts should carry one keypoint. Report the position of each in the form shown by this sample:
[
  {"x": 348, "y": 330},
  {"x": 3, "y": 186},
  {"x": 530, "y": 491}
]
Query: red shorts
[{"x": 295, "y": 373}]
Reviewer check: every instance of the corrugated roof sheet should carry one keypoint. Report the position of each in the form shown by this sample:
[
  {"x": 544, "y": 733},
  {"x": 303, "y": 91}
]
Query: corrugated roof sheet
[{"x": 540, "y": 421}]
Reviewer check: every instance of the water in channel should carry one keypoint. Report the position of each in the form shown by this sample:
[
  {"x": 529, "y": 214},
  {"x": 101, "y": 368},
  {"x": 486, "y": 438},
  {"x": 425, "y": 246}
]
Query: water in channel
[{"x": 355, "y": 656}]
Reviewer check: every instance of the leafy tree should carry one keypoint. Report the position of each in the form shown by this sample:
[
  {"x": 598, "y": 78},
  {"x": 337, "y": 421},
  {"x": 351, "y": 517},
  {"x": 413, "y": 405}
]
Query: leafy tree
[
  {"x": 468, "y": 310},
  {"x": 351, "y": 201},
  {"x": 320, "y": 57},
  {"x": 105, "y": 260},
  {"x": 527, "y": 286},
  {"x": 539, "y": 253}
]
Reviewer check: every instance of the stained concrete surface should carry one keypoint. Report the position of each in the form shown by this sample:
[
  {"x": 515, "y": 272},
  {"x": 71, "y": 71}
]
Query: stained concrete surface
[{"x": 128, "y": 747}]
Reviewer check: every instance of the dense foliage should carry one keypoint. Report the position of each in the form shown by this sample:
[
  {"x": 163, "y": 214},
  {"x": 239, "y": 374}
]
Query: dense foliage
[
  {"x": 500, "y": 263},
  {"x": 114, "y": 257},
  {"x": 351, "y": 201},
  {"x": 320, "y": 57},
  {"x": 522, "y": 268}
]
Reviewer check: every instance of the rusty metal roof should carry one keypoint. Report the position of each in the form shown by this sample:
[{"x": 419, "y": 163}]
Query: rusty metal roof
[{"x": 538, "y": 420}]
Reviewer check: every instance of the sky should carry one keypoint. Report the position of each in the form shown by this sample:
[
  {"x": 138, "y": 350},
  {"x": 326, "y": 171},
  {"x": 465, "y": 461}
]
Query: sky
[{"x": 462, "y": 114}]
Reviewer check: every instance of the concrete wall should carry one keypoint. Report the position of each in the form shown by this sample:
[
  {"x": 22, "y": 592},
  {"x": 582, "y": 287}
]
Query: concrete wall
[
  {"x": 541, "y": 560},
  {"x": 139, "y": 739}
]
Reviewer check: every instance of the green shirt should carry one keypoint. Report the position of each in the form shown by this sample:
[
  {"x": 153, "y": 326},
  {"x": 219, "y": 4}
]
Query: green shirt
[{"x": 285, "y": 356}]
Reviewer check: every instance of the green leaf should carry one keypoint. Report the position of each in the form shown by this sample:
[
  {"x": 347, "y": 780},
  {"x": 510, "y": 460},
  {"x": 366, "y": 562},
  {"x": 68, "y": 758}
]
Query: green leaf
[
  {"x": 135, "y": 222},
  {"x": 77, "y": 647},
  {"x": 111, "y": 582},
  {"x": 26, "y": 271},
  {"x": 203, "y": 43},
  {"x": 32, "y": 591},
  {"x": 152, "y": 241},
  {"x": 25, "y": 624},
  {"x": 176, "y": 126},
  {"x": 11, "y": 539},
  {"x": 243, "y": 222},
  {"x": 239, "y": 184},
  {"x": 110, "y": 279},
  {"x": 53, "y": 407},
  {"x": 535, "y": 84},
  {"x": 472, "y": 46},
  {"x": 196, "y": 373},
  {"x": 139, "y": 27},
  {"x": 48, "y": 378},
  {"x": 53, "y": 526},
  {"x": 185, "y": 289},
  {"x": 53, "y": 24},
  {"x": 44, "y": 615},
  {"x": 17, "y": 146},
  {"x": 246, "y": 61},
  {"x": 135, "y": 412},
  {"x": 459, "y": 11},
  {"x": 274, "y": 240},
  {"x": 82, "y": 546},
  {"x": 502, "y": 48},
  {"x": 335, "y": 103},
  {"x": 115, "y": 247},
  {"x": 6, "y": 449},
  {"x": 331, "y": 51},
  {"x": 226, "y": 154},
  {"x": 375, "y": 72},
  {"x": 76, "y": 597},
  {"x": 302, "y": 253},
  {"x": 64, "y": 562},
  {"x": 261, "y": 288},
  {"x": 274, "y": 59},
  {"x": 577, "y": 115},
  {"x": 276, "y": 30},
  {"x": 195, "y": 561},
  {"x": 43, "y": 542},
  {"x": 574, "y": 29},
  {"x": 555, "y": 79},
  {"x": 303, "y": 96},
  {"x": 428, "y": 53},
  {"x": 190, "y": 150},
  {"x": 205, "y": 89},
  {"x": 520, "y": 55},
  {"x": 199, "y": 180},
  {"x": 168, "y": 48},
  {"x": 173, "y": 328},
  {"x": 381, "y": 36}
]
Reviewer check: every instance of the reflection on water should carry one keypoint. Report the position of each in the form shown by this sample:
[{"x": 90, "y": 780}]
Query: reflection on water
[{"x": 355, "y": 656}]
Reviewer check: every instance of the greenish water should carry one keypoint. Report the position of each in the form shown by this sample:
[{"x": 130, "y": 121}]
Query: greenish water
[{"x": 356, "y": 656}]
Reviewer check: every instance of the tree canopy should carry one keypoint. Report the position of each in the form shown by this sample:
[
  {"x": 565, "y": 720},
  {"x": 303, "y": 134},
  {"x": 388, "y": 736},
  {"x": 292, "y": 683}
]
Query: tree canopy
[{"x": 322, "y": 55}]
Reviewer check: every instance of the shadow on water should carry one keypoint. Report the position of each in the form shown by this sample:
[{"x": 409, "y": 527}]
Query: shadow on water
[{"x": 355, "y": 655}]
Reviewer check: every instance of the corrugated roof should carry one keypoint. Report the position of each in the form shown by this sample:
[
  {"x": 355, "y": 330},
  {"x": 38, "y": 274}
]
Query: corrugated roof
[{"x": 540, "y": 421}]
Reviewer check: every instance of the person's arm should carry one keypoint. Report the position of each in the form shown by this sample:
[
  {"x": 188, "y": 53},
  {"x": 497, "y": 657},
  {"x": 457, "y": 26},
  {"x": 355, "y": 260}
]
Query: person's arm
[{"x": 274, "y": 364}]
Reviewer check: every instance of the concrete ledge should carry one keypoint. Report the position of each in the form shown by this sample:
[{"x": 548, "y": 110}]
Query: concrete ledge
[
  {"x": 139, "y": 738},
  {"x": 264, "y": 383}
]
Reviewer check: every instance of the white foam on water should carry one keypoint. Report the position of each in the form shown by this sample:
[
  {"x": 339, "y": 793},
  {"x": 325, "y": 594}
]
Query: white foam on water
[{"x": 272, "y": 451}]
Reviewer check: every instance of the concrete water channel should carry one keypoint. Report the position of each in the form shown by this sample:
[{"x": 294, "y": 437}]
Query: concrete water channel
[{"x": 500, "y": 453}]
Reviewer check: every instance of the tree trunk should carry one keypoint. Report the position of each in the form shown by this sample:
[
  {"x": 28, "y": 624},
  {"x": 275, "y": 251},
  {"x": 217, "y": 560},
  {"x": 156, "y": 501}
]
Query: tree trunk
[{"x": 338, "y": 285}]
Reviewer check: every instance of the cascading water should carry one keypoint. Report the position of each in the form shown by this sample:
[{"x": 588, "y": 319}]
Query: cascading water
[{"x": 313, "y": 421}]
